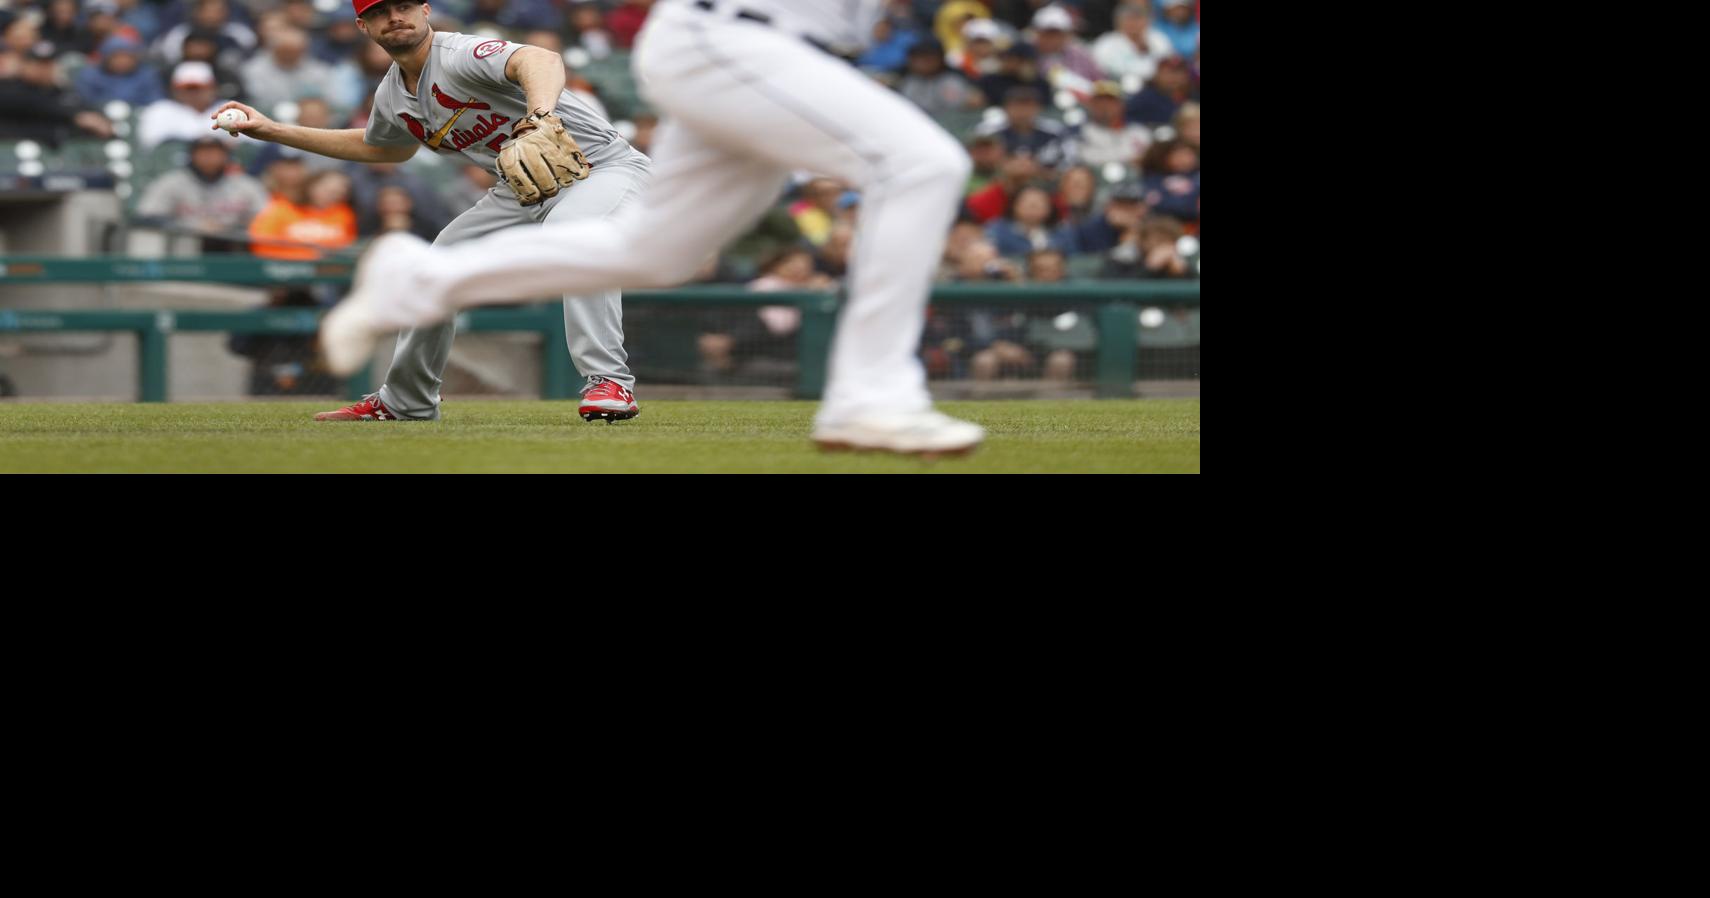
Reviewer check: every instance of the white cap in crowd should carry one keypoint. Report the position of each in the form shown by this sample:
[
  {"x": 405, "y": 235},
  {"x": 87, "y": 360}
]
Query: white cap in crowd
[
  {"x": 192, "y": 73},
  {"x": 1053, "y": 18}
]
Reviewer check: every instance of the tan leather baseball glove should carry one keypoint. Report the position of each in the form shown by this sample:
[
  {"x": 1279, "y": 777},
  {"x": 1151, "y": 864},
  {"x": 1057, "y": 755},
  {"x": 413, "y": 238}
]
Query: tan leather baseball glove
[{"x": 540, "y": 162}]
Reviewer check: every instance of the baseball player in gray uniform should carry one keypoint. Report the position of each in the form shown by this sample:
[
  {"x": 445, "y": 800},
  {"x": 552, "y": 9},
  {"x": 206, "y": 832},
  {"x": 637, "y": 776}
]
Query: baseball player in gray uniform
[
  {"x": 462, "y": 93},
  {"x": 748, "y": 94}
]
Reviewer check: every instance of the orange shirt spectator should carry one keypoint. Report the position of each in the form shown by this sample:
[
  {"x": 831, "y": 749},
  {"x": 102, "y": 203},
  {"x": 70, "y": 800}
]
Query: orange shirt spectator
[{"x": 326, "y": 220}]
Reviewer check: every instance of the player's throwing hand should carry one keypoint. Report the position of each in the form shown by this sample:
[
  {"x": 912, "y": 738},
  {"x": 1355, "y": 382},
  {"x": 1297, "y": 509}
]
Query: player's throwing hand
[{"x": 255, "y": 126}]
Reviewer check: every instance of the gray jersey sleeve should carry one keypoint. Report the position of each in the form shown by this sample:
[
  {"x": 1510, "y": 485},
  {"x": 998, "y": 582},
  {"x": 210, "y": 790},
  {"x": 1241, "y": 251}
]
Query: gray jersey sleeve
[
  {"x": 386, "y": 128},
  {"x": 478, "y": 63}
]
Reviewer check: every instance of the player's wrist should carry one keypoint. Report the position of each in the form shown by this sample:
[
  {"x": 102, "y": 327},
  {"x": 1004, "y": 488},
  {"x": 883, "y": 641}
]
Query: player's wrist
[{"x": 532, "y": 120}]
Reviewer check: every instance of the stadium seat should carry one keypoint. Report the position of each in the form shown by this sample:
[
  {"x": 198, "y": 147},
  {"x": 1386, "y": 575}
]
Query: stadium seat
[
  {"x": 1180, "y": 328},
  {"x": 1085, "y": 267},
  {"x": 1080, "y": 336}
]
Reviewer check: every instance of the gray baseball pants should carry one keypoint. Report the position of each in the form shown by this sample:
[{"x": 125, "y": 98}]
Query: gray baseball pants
[{"x": 593, "y": 323}]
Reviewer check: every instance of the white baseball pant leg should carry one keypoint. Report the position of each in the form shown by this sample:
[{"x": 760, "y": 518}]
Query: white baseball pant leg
[{"x": 746, "y": 106}]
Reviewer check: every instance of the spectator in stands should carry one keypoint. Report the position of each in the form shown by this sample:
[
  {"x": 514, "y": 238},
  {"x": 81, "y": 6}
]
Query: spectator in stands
[
  {"x": 1163, "y": 96},
  {"x": 1017, "y": 66},
  {"x": 22, "y": 34},
  {"x": 318, "y": 215},
  {"x": 338, "y": 42},
  {"x": 1024, "y": 133},
  {"x": 832, "y": 260},
  {"x": 951, "y": 20},
  {"x": 817, "y": 208},
  {"x": 120, "y": 75},
  {"x": 395, "y": 210},
  {"x": 988, "y": 157},
  {"x": 520, "y": 15},
  {"x": 1180, "y": 25},
  {"x": 209, "y": 196},
  {"x": 187, "y": 113},
  {"x": 1047, "y": 266},
  {"x": 588, "y": 21},
  {"x": 286, "y": 72},
  {"x": 312, "y": 112},
  {"x": 1018, "y": 14},
  {"x": 934, "y": 88},
  {"x": 214, "y": 18},
  {"x": 1135, "y": 48},
  {"x": 1077, "y": 195},
  {"x": 374, "y": 62},
  {"x": 625, "y": 22},
  {"x": 990, "y": 202},
  {"x": 1172, "y": 181},
  {"x": 1030, "y": 225},
  {"x": 998, "y": 339},
  {"x": 1065, "y": 63},
  {"x": 770, "y": 333},
  {"x": 791, "y": 268},
  {"x": 963, "y": 234},
  {"x": 284, "y": 179},
  {"x": 980, "y": 261},
  {"x": 978, "y": 55},
  {"x": 1121, "y": 214},
  {"x": 369, "y": 180},
  {"x": 472, "y": 182},
  {"x": 101, "y": 21},
  {"x": 143, "y": 17},
  {"x": 33, "y": 105},
  {"x": 204, "y": 46},
  {"x": 301, "y": 15},
  {"x": 353, "y": 84},
  {"x": 1187, "y": 124},
  {"x": 545, "y": 39},
  {"x": 1150, "y": 250},
  {"x": 893, "y": 38},
  {"x": 62, "y": 30},
  {"x": 1105, "y": 137}
]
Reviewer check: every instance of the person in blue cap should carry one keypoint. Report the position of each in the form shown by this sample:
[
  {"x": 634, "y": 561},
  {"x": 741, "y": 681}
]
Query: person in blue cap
[{"x": 121, "y": 74}]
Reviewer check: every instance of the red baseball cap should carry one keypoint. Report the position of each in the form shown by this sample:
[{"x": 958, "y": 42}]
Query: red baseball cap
[{"x": 363, "y": 6}]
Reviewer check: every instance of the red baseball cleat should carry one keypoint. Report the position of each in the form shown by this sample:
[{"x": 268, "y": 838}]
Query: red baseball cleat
[
  {"x": 370, "y": 409},
  {"x": 608, "y": 400}
]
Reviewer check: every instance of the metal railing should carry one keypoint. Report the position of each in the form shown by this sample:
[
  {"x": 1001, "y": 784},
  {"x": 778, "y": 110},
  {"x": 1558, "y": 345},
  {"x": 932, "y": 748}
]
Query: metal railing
[{"x": 1116, "y": 317}]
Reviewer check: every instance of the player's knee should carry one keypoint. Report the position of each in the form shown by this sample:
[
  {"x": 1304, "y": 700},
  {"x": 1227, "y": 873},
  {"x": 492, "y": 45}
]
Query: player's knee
[{"x": 941, "y": 161}]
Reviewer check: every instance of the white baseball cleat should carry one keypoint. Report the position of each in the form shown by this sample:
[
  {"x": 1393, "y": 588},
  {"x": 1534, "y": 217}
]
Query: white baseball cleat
[
  {"x": 387, "y": 277},
  {"x": 927, "y": 433}
]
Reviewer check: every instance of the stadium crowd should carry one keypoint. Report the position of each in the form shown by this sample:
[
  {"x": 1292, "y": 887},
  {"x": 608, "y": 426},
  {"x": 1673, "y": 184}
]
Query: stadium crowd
[{"x": 1081, "y": 116}]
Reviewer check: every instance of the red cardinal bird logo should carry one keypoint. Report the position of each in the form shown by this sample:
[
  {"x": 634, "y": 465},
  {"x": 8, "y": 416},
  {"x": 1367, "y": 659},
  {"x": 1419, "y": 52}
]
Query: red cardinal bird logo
[{"x": 420, "y": 132}]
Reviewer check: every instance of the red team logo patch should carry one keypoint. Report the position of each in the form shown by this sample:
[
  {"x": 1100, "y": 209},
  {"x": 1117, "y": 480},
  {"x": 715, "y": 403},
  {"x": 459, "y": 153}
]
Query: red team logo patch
[
  {"x": 484, "y": 127},
  {"x": 488, "y": 49}
]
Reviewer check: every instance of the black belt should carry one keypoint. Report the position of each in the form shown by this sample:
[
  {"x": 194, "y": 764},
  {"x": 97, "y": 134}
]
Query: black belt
[
  {"x": 763, "y": 19},
  {"x": 710, "y": 6}
]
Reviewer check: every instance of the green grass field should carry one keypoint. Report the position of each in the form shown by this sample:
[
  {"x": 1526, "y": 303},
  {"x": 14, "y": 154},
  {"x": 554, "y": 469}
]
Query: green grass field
[{"x": 1141, "y": 436}]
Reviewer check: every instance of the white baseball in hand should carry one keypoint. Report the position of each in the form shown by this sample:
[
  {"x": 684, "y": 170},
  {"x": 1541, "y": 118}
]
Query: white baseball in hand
[{"x": 231, "y": 118}]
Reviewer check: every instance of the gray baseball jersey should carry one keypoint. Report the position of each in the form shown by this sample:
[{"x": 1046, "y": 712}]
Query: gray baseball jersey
[
  {"x": 464, "y": 102},
  {"x": 835, "y": 23}
]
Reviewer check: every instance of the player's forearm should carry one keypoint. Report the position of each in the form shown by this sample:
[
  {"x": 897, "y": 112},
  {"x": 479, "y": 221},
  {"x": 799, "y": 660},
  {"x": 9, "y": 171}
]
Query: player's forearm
[
  {"x": 541, "y": 75},
  {"x": 339, "y": 144}
]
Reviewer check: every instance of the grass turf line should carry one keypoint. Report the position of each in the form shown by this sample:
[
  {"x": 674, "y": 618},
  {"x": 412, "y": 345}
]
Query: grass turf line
[{"x": 478, "y": 436}]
